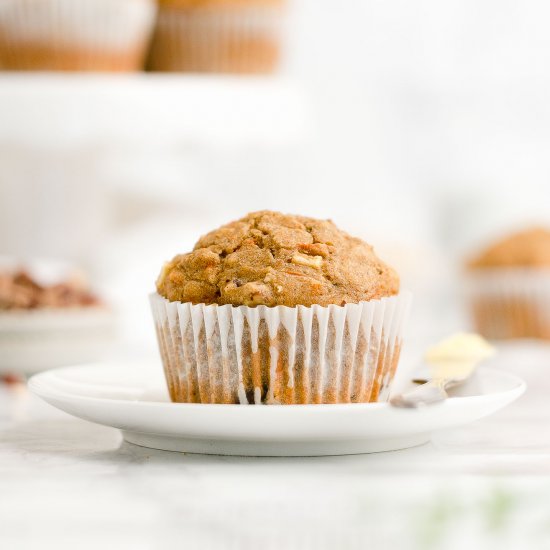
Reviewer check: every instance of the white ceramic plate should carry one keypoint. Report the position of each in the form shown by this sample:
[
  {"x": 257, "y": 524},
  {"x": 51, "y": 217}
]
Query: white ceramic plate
[{"x": 136, "y": 402}]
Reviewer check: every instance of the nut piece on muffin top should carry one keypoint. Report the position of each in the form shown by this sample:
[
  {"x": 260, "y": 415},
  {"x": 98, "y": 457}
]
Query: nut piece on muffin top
[
  {"x": 529, "y": 248},
  {"x": 273, "y": 259}
]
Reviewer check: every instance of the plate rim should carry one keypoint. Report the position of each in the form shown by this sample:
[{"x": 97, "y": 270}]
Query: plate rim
[{"x": 35, "y": 382}]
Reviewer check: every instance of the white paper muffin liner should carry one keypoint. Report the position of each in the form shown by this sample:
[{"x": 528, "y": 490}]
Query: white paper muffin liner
[
  {"x": 75, "y": 34},
  {"x": 280, "y": 355},
  {"x": 510, "y": 303},
  {"x": 242, "y": 39}
]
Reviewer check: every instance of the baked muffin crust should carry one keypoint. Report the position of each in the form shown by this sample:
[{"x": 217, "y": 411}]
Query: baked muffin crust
[
  {"x": 272, "y": 259},
  {"x": 219, "y": 3},
  {"x": 529, "y": 248}
]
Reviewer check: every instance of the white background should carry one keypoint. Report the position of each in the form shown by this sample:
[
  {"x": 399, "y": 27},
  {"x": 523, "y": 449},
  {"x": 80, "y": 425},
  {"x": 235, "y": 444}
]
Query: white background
[{"x": 423, "y": 128}]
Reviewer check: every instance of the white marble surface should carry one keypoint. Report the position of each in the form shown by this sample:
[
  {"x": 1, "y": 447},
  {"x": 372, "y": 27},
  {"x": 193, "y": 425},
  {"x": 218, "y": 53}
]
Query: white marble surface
[{"x": 65, "y": 483}]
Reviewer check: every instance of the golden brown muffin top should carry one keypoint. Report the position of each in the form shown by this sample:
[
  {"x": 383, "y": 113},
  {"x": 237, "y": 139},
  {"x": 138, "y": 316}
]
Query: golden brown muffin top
[
  {"x": 218, "y": 3},
  {"x": 529, "y": 248},
  {"x": 276, "y": 259}
]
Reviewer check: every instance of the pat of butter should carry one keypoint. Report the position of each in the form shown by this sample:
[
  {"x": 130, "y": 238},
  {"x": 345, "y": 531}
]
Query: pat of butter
[{"x": 458, "y": 355}]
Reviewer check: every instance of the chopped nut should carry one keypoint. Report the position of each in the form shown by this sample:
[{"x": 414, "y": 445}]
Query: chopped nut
[
  {"x": 279, "y": 289},
  {"x": 256, "y": 293},
  {"x": 19, "y": 291},
  {"x": 314, "y": 249},
  {"x": 308, "y": 261}
]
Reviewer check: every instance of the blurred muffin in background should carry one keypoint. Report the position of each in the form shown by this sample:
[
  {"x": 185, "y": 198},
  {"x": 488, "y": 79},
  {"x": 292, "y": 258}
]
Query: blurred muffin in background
[
  {"x": 509, "y": 287},
  {"x": 75, "y": 35},
  {"x": 217, "y": 36}
]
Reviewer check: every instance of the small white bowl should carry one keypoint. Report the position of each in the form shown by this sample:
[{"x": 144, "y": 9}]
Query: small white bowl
[{"x": 35, "y": 340}]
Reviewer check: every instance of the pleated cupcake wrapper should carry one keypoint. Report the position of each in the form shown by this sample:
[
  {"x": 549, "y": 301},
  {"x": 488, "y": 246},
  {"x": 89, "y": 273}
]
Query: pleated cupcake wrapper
[
  {"x": 227, "y": 354},
  {"x": 243, "y": 39},
  {"x": 510, "y": 303},
  {"x": 75, "y": 34}
]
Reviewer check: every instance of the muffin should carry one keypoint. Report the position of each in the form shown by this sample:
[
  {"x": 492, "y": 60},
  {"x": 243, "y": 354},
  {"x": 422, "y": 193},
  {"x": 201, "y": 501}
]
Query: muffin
[
  {"x": 509, "y": 287},
  {"x": 75, "y": 35},
  {"x": 279, "y": 309},
  {"x": 217, "y": 36}
]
